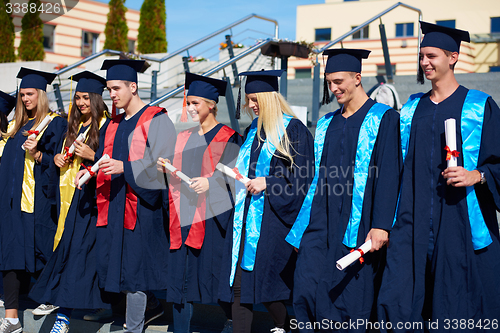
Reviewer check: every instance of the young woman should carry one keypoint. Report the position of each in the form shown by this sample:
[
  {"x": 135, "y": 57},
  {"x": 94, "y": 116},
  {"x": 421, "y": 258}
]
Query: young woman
[
  {"x": 277, "y": 156},
  {"x": 27, "y": 203},
  {"x": 200, "y": 212},
  {"x": 69, "y": 280}
]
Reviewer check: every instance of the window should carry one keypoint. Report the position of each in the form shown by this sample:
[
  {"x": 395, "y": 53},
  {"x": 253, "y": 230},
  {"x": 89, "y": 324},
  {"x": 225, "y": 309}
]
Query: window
[
  {"x": 302, "y": 73},
  {"x": 447, "y": 23},
  {"x": 48, "y": 37},
  {"x": 404, "y": 29},
  {"x": 131, "y": 46},
  {"x": 495, "y": 25},
  {"x": 381, "y": 69},
  {"x": 323, "y": 34},
  {"x": 361, "y": 34},
  {"x": 89, "y": 43}
]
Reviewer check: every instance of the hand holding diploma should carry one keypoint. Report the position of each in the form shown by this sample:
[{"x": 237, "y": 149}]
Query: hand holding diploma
[
  {"x": 345, "y": 261},
  {"x": 450, "y": 132},
  {"x": 71, "y": 150},
  {"x": 90, "y": 172},
  {"x": 176, "y": 172},
  {"x": 33, "y": 134},
  {"x": 233, "y": 173}
]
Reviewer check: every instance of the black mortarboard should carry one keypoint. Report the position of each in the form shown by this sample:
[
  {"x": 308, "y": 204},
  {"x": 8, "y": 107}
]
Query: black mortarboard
[
  {"x": 262, "y": 81},
  {"x": 445, "y": 38},
  {"x": 205, "y": 87},
  {"x": 345, "y": 60},
  {"x": 7, "y": 103},
  {"x": 125, "y": 70},
  {"x": 89, "y": 82},
  {"x": 32, "y": 78}
]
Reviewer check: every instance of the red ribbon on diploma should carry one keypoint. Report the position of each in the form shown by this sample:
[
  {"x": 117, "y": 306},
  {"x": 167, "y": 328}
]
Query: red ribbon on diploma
[
  {"x": 361, "y": 259},
  {"x": 33, "y": 132},
  {"x": 450, "y": 153},
  {"x": 175, "y": 174},
  {"x": 89, "y": 169},
  {"x": 238, "y": 174},
  {"x": 68, "y": 154}
]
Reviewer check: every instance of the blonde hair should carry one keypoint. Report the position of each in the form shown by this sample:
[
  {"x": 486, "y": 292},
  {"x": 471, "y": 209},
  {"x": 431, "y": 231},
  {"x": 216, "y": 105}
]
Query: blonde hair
[
  {"x": 21, "y": 114},
  {"x": 272, "y": 106},
  {"x": 209, "y": 101}
]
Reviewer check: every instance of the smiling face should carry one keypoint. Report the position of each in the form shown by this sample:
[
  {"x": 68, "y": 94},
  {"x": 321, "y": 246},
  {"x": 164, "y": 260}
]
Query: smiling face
[
  {"x": 121, "y": 92},
  {"x": 198, "y": 108},
  {"x": 29, "y": 96},
  {"x": 343, "y": 85},
  {"x": 435, "y": 63},
  {"x": 253, "y": 103},
  {"x": 82, "y": 101}
]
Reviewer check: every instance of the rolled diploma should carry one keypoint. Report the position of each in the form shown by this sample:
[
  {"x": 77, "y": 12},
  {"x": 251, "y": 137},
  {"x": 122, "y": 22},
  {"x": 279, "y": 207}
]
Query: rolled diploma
[
  {"x": 179, "y": 174},
  {"x": 80, "y": 137},
  {"x": 228, "y": 171},
  {"x": 94, "y": 169},
  {"x": 45, "y": 122},
  {"x": 345, "y": 261},
  {"x": 451, "y": 139}
]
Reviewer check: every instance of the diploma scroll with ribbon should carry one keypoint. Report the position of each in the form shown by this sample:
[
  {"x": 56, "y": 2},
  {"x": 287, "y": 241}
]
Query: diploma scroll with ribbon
[
  {"x": 33, "y": 134},
  {"x": 345, "y": 261},
  {"x": 71, "y": 150},
  {"x": 233, "y": 173},
  {"x": 91, "y": 171},
  {"x": 177, "y": 173},
  {"x": 450, "y": 132}
]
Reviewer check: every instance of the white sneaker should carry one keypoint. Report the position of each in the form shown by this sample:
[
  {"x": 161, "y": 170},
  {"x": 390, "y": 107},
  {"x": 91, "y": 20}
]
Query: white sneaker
[
  {"x": 7, "y": 327},
  {"x": 99, "y": 314},
  {"x": 278, "y": 330},
  {"x": 44, "y": 309},
  {"x": 60, "y": 326}
]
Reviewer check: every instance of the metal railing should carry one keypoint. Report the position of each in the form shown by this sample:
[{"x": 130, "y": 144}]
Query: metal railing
[{"x": 316, "y": 78}]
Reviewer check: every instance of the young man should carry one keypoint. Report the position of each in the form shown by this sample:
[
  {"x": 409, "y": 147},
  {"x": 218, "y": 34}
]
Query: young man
[
  {"x": 354, "y": 200},
  {"x": 131, "y": 240},
  {"x": 442, "y": 262}
]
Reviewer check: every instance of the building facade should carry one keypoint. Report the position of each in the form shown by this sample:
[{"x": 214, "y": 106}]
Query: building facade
[{"x": 321, "y": 23}]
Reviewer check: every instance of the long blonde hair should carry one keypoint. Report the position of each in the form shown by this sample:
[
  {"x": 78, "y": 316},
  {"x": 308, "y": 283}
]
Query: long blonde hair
[
  {"x": 21, "y": 114},
  {"x": 272, "y": 106}
]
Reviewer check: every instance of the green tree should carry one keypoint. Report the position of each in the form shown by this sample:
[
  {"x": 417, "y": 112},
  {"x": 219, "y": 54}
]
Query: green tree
[
  {"x": 152, "y": 36},
  {"x": 116, "y": 27},
  {"x": 7, "y": 53},
  {"x": 31, "y": 46}
]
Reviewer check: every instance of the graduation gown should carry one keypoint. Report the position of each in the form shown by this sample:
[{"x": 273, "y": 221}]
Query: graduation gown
[
  {"x": 73, "y": 262},
  {"x": 198, "y": 270},
  {"x": 272, "y": 276},
  {"x": 321, "y": 290},
  {"x": 455, "y": 281},
  {"x": 136, "y": 260},
  {"x": 26, "y": 239}
]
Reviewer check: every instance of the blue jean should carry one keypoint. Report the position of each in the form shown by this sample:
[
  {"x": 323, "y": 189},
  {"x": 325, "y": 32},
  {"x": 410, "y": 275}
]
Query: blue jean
[{"x": 136, "y": 306}]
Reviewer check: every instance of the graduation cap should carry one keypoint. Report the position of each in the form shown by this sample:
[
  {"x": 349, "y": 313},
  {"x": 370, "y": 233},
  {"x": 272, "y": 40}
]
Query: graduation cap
[
  {"x": 345, "y": 60},
  {"x": 205, "y": 87},
  {"x": 125, "y": 70},
  {"x": 342, "y": 60},
  {"x": 89, "y": 82},
  {"x": 7, "y": 103},
  {"x": 257, "y": 82},
  {"x": 445, "y": 38},
  {"x": 32, "y": 78}
]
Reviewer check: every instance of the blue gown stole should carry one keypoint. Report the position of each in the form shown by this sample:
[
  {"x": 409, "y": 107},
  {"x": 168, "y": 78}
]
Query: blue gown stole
[{"x": 256, "y": 209}]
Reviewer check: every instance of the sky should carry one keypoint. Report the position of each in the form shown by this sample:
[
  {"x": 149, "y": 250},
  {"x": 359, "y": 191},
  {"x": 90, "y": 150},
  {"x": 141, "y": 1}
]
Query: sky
[{"x": 190, "y": 20}]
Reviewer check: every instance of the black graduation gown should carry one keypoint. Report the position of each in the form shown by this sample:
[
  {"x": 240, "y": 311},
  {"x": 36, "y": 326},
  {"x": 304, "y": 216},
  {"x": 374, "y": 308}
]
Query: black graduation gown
[
  {"x": 136, "y": 260},
  {"x": 347, "y": 294},
  {"x": 26, "y": 239},
  {"x": 198, "y": 270},
  {"x": 465, "y": 281},
  {"x": 272, "y": 276},
  {"x": 73, "y": 262}
]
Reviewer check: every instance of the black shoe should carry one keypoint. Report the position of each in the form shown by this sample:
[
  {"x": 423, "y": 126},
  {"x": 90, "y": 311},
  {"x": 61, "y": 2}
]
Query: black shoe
[{"x": 152, "y": 314}]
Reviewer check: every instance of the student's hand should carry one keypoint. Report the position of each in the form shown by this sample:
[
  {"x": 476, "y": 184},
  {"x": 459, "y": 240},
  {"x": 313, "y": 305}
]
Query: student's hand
[
  {"x": 199, "y": 184},
  {"x": 31, "y": 146},
  {"x": 459, "y": 177},
  {"x": 160, "y": 165},
  {"x": 257, "y": 185},
  {"x": 379, "y": 238},
  {"x": 79, "y": 175},
  {"x": 84, "y": 151},
  {"x": 60, "y": 161},
  {"x": 111, "y": 166}
]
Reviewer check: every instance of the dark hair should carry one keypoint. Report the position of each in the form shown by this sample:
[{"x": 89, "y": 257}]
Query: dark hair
[
  {"x": 3, "y": 123},
  {"x": 97, "y": 109}
]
